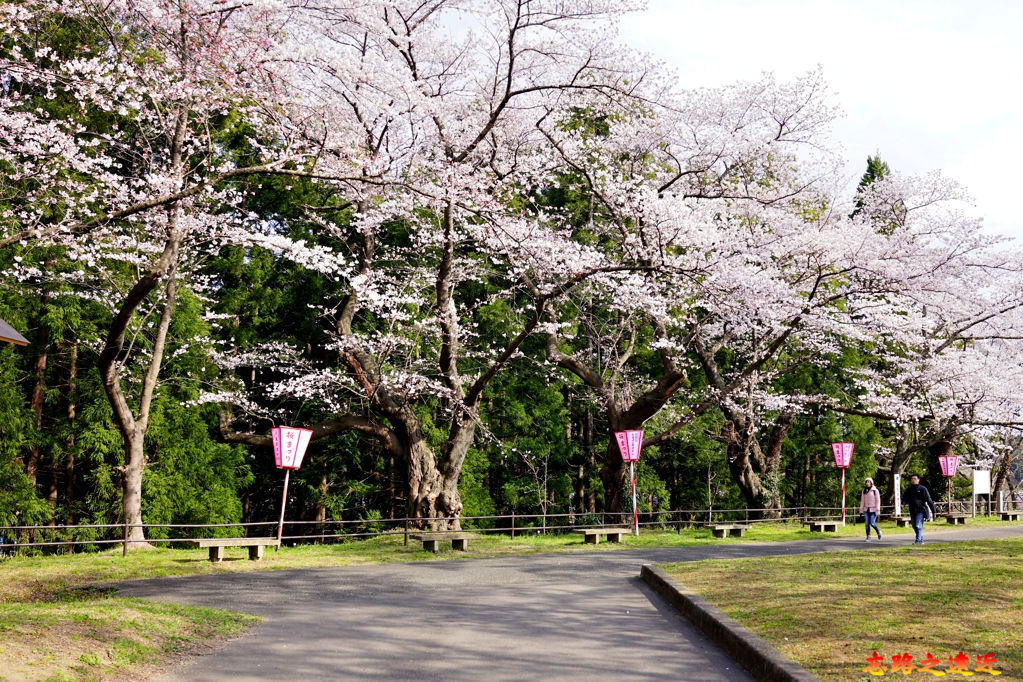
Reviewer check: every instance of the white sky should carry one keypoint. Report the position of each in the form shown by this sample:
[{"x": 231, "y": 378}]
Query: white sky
[{"x": 928, "y": 84}]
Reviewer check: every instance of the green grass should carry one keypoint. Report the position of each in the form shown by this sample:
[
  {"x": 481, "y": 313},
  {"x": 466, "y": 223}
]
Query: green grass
[
  {"x": 94, "y": 635},
  {"x": 830, "y": 612},
  {"x": 58, "y": 622}
]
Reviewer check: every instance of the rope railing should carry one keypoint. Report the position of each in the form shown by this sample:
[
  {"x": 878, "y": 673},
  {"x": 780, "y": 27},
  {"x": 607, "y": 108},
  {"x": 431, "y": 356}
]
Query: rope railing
[{"x": 337, "y": 530}]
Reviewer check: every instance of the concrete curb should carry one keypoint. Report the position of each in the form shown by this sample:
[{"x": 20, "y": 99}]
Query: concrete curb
[{"x": 759, "y": 658}]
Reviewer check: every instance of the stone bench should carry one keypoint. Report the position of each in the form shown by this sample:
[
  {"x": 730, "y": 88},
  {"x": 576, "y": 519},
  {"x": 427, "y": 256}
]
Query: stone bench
[
  {"x": 592, "y": 535},
  {"x": 823, "y": 526},
  {"x": 720, "y": 530},
  {"x": 956, "y": 519},
  {"x": 431, "y": 541},
  {"x": 217, "y": 545},
  {"x": 904, "y": 522},
  {"x": 1011, "y": 515}
]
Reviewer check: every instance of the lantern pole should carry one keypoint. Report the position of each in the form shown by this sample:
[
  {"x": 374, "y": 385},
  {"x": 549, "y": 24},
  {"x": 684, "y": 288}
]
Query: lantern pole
[
  {"x": 284, "y": 500},
  {"x": 948, "y": 498},
  {"x": 635, "y": 510},
  {"x": 843, "y": 496}
]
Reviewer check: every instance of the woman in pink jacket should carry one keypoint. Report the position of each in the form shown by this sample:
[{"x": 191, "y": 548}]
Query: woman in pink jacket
[{"x": 870, "y": 506}]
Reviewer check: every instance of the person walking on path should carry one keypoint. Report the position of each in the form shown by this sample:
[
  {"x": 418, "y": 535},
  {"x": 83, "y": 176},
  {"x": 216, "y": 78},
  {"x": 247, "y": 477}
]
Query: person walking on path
[
  {"x": 870, "y": 506},
  {"x": 918, "y": 498}
]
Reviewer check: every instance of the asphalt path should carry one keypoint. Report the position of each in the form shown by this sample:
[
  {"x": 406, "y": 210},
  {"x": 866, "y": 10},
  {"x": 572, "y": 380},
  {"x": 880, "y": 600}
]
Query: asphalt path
[{"x": 579, "y": 616}]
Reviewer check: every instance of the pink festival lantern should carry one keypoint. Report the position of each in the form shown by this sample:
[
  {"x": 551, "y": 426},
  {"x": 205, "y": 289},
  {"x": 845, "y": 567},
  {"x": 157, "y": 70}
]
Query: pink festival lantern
[
  {"x": 289, "y": 448},
  {"x": 630, "y": 443},
  {"x": 843, "y": 453},
  {"x": 949, "y": 464}
]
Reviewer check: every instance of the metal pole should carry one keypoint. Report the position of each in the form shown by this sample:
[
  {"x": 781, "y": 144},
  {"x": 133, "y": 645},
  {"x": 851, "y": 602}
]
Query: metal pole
[
  {"x": 284, "y": 500},
  {"x": 843, "y": 496},
  {"x": 635, "y": 510}
]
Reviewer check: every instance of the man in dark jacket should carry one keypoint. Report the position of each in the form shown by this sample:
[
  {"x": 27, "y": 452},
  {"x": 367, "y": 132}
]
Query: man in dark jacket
[{"x": 918, "y": 498}]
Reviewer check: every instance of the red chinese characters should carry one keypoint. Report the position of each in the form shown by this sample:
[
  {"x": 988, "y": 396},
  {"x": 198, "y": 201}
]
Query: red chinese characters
[
  {"x": 875, "y": 665},
  {"x": 958, "y": 664},
  {"x": 987, "y": 664},
  {"x": 929, "y": 665},
  {"x": 902, "y": 664}
]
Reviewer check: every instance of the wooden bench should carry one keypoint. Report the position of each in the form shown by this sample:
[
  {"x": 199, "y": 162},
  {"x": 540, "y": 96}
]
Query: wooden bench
[
  {"x": 217, "y": 546},
  {"x": 823, "y": 526},
  {"x": 903, "y": 522},
  {"x": 592, "y": 535},
  {"x": 956, "y": 519},
  {"x": 1010, "y": 515},
  {"x": 431, "y": 541},
  {"x": 720, "y": 530}
]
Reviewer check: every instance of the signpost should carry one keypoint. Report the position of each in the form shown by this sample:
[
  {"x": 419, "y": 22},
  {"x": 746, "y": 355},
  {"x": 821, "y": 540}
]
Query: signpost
[
  {"x": 843, "y": 456},
  {"x": 630, "y": 443},
  {"x": 289, "y": 449},
  {"x": 981, "y": 486},
  {"x": 897, "y": 479},
  {"x": 949, "y": 464}
]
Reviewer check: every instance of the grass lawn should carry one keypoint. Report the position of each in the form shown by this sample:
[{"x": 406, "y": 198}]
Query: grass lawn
[
  {"x": 56, "y": 624},
  {"x": 831, "y": 612}
]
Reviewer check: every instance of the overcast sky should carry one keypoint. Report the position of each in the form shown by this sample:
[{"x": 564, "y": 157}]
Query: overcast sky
[{"x": 928, "y": 84}]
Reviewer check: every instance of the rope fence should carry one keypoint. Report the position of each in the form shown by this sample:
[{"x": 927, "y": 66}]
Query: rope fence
[{"x": 70, "y": 537}]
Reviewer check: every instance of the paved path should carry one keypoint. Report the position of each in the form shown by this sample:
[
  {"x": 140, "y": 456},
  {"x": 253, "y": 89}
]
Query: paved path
[{"x": 582, "y": 616}]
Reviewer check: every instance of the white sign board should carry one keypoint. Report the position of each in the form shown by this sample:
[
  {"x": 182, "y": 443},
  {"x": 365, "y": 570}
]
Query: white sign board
[
  {"x": 898, "y": 494},
  {"x": 981, "y": 481}
]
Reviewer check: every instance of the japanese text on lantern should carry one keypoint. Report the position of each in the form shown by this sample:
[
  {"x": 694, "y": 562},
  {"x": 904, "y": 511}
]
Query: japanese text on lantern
[{"x": 289, "y": 446}]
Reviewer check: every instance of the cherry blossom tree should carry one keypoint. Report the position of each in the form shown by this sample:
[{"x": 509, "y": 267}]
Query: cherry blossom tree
[
  {"x": 721, "y": 194},
  {"x": 447, "y": 106},
  {"x": 112, "y": 118},
  {"x": 946, "y": 356}
]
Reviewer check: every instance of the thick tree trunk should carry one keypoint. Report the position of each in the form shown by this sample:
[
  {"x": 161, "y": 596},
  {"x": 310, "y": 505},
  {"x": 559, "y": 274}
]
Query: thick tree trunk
[
  {"x": 740, "y": 464},
  {"x": 133, "y": 429},
  {"x": 612, "y": 476},
  {"x": 750, "y": 466},
  {"x": 432, "y": 483},
  {"x": 1003, "y": 471},
  {"x": 433, "y": 496},
  {"x": 135, "y": 462}
]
